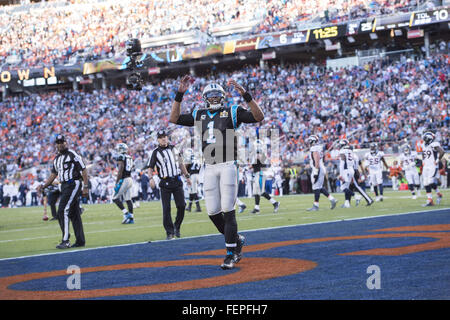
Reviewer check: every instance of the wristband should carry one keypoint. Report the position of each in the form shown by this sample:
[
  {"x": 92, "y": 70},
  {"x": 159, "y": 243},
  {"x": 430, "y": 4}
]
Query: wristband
[
  {"x": 179, "y": 96},
  {"x": 247, "y": 97}
]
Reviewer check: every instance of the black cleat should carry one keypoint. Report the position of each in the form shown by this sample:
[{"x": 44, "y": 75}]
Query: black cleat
[
  {"x": 242, "y": 208},
  {"x": 229, "y": 262},
  {"x": 255, "y": 211},
  {"x": 170, "y": 237},
  {"x": 77, "y": 245},
  {"x": 177, "y": 233},
  {"x": 276, "y": 205},
  {"x": 239, "y": 246},
  {"x": 63, "y": 245}
]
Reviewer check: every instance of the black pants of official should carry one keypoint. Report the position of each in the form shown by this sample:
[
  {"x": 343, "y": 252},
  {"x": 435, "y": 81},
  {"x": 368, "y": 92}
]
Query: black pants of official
[
  {"x": 34, "y": 199},
  {"x": 169, "y": 187},
  {"x": 69, "y": 210},
  {"x": 52, "y": 198}
]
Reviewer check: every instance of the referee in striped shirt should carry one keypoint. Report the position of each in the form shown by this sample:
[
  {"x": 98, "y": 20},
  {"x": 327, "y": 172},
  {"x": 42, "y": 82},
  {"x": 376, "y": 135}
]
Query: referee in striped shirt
[
  {"x": 70, "y": 169},
  {"x": 168, "y": 162}
]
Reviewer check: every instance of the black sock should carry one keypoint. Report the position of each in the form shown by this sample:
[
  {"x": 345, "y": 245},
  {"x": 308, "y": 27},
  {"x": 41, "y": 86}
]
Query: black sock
[
  {"x": 257, "y": 198},
  {"x": 119, "y": 204},
  {"x": 219, "y": 222},
  {"x": 265, "y": 195},
  {"x": 230, "y": 229},
  {"x": 130, "y": 206},
  {"x": 316, "y": 195}
]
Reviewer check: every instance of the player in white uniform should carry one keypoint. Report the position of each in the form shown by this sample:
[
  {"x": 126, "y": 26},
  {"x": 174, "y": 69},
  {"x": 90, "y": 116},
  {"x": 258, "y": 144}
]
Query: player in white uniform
[
  {"x": 262, "y": 172},
  {"x": 193, "y": 166},
  {"x": 348, "y": 163},
  {"x": 278, "y": 179},
  {"x": 318, "y": 172},
  {"x": 374, "y": 160},
  {"x": 408, "y": 163},
  {"x": 432, "y": 154}
]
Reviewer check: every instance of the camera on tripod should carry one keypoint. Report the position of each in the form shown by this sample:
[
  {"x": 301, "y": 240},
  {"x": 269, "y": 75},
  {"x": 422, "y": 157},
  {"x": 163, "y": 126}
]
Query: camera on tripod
[{"x": 134, "y": 50}]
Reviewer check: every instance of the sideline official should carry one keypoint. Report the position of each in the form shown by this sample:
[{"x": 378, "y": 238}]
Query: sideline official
[
  {"x": 70, "y": 169},
  {"x": 168, "y": 162}
]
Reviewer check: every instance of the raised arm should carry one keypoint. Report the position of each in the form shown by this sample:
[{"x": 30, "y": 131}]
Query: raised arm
[
  {"x": 185, "y": 83},
  {"x": 256, "y": 111}
]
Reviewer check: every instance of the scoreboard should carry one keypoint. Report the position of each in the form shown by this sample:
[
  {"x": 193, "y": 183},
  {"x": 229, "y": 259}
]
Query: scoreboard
[{"x": 429, "y": 17}]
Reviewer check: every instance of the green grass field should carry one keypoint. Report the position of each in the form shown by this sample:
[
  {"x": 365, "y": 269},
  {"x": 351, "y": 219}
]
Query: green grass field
[{"x": 23, "y": 232}]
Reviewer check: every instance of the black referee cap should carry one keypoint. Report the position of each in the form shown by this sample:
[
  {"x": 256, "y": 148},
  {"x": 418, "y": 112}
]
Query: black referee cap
[
  {"x": 161, "y": 133},
  {"x": 60, "y": 138}
]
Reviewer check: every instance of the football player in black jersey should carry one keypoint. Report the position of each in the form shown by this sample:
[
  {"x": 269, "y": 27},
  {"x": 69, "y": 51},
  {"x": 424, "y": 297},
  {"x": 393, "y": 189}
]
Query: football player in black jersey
[
  {"x": 217, "y": 124},
  {"x": 124, "y": 183}
]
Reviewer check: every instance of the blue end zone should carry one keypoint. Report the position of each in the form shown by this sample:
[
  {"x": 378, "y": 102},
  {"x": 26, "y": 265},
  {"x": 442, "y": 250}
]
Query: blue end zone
[{"x": 420, "y": 275}]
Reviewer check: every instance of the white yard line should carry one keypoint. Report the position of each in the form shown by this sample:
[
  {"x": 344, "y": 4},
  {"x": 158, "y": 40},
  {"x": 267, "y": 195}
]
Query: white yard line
[
  {"x": 125, "y": 228},
  {"x": 209, "y": 235}
]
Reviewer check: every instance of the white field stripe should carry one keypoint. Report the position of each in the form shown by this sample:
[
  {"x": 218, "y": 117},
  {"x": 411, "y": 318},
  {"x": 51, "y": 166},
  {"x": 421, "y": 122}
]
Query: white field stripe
[
  {"x": 216, "y": 234},
  {"x": 103, "y": 231}
]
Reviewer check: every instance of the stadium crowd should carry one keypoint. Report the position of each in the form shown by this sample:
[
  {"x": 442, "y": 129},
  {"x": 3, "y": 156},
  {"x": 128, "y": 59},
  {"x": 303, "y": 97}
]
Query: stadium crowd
[
  {"x": 391, "y": 103},
  {"x": 41, "y": 36}
]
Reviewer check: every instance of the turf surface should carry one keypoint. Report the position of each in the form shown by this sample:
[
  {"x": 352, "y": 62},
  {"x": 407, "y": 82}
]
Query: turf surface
[{"x": 23, "y": 232}]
